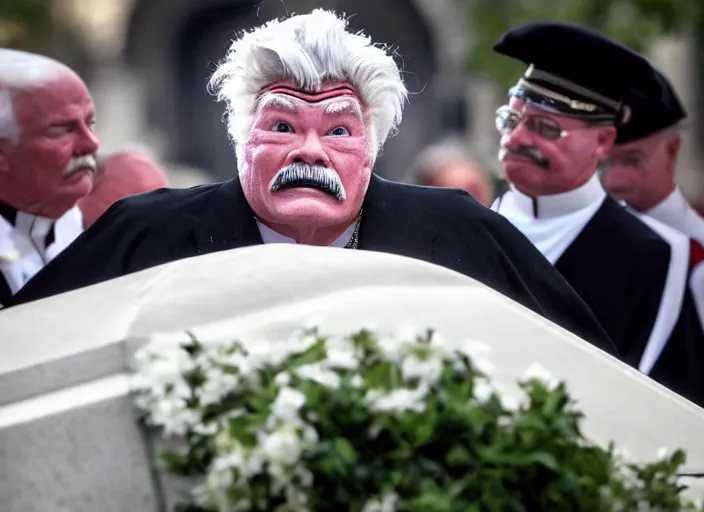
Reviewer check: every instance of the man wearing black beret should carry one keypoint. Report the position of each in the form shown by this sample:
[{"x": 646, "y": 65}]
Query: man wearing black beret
[{"x": 641, "y": 168}]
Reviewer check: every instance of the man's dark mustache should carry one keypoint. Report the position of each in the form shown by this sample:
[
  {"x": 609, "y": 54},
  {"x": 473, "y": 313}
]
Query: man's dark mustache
[
  {"x": 301, "y": 174},
  {"x": 534, "y": 155}
]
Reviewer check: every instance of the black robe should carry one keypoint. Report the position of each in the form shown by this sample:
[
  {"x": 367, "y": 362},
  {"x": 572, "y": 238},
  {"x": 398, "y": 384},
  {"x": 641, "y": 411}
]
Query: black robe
[
  {"x": 442, "y": 226},
  {"x": 621, "y": 267}
]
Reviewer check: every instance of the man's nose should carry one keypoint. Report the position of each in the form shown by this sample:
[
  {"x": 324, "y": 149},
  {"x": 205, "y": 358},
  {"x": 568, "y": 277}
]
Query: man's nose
[
  {"x": 519, "y": 136},
  {"x": 311, "y": 152},
  {"x": 88, "y": 141}
]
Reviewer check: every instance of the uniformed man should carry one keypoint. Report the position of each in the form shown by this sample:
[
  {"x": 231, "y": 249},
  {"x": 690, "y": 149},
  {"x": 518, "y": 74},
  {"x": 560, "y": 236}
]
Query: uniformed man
[
  {"x": 561, "y": 121},
  {"x": 310, "y": 105},
  {"x": 641, "y": 168},
  {"x": 640, "y": 171},
  {"x": 47, "y": 148}
]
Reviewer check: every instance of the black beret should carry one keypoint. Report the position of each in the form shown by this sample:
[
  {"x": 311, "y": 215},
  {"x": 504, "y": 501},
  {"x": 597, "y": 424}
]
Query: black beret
[{"x": 653, "y": 109}]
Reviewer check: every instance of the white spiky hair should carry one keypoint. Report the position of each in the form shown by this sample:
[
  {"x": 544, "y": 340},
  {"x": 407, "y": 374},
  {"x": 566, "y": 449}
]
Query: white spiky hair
[
  {"x": 309, "y": 49},
  {"x": 20, "y": 72}
]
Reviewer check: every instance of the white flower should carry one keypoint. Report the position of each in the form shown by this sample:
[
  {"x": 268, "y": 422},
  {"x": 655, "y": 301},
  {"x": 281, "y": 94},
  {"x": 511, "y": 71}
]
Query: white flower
[
  {"x": 509, "y": 402},
  {"x": 245, "y": 464},
  {"x": 280, "y": 447},
  {"x": 663, "y": 453},
  {"x": 220, "y": 476},
  {"x": 283, "y": 379},
  {"x": 393, "y": 348},
  {"x": 206, "y": 429},
  {"x": 173, "y": 416},
  {"x": 411, "y": 333},
  {"x": 356, "y": 381},
  {"x": 482, "y": 364},
  {"x": 538, "y": 372},
  {"x": 246, "y": 365},
  {"x": 162, "y": 374},
  {"x": 299, "y": 342},
  {"x": 317, "y": 373},
  {"x": 482, "y": 390},
  {"x": 386, "y": 504},
  {"x": 398, "y": 400},
  {"x": 216, "y": 386},
  {"x": 341, "y": 353},
  {"x": 287, "y": 404},
  {"x": 428, "y": 371}
]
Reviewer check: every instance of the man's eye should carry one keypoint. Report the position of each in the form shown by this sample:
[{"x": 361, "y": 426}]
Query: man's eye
[
  {"x": 340, "y": 132},
  {"x": 282, "y": 127}
]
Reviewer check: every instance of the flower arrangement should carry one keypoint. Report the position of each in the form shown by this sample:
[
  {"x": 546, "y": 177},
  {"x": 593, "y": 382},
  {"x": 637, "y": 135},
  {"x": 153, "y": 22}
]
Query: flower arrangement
[{"x": 367, "y": 423}]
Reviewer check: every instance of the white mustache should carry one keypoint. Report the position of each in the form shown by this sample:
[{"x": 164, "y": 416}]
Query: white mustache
[
  {"x": 298, "y": 174},
  {"x": 81, "y": 162}
]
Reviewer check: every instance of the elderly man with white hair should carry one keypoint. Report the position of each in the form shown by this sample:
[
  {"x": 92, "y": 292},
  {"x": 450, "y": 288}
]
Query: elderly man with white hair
[
  {"x": 47, "y": 148},
  {"x": 309, "y": 107}
]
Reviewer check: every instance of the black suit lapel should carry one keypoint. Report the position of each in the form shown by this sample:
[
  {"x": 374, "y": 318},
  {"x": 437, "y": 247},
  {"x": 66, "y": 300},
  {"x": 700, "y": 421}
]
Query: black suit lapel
[
  {"x": 228, "y": 223},
  {"x": 391, "y": 225}
]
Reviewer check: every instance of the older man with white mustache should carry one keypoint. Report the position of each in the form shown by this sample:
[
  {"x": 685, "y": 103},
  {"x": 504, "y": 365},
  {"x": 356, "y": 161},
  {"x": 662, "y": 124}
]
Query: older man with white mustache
[{"x": 47, "y": 163}]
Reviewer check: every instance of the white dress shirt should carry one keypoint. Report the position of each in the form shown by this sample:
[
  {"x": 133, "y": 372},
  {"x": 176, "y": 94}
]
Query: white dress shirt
[
  {"x": 26, "y": 247},
  {"x": 269, "y": 236},
  {"x": 677, "y": 213}
]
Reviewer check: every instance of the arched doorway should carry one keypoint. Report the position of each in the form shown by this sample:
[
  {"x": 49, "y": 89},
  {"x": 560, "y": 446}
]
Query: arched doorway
[{"x": 201, "y": 44}]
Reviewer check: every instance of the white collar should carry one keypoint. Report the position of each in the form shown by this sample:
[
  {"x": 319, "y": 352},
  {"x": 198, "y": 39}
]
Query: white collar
[
  {"x": 269, "y": 236},
  {"x": 671, "y": 209},
  {"x": 556, "y": 205}
]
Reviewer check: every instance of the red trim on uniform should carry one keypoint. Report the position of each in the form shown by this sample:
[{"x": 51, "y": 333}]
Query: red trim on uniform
[{"x": 696, "y": 253}]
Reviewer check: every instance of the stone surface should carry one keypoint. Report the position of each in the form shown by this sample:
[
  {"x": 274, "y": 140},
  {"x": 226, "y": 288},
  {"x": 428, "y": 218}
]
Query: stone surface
[
  {"x": 87, "y": 458},
  {"x": 68, "y": 438}
]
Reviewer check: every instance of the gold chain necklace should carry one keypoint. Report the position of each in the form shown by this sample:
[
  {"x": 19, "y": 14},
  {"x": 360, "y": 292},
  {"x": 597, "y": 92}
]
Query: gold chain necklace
[{"x": 354, "y": 239}]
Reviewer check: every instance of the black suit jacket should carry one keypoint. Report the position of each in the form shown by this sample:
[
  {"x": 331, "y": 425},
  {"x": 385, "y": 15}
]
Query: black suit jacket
[{"x": 442, "y": 226}]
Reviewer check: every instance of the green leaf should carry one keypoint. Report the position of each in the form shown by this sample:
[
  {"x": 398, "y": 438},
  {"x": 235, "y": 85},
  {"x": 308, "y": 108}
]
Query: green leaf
[
  {"x": 345, "y": 450},
  {"x": 546, "y": 459}
]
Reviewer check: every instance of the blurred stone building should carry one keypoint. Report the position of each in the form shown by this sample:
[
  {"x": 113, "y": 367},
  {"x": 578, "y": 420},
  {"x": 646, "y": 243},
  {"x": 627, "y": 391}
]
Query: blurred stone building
[{"x": 148, "y": 62}]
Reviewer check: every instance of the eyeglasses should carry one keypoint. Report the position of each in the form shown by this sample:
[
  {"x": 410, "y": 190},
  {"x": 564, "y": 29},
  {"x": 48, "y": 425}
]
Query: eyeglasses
[{"x": 508, "y": 119}]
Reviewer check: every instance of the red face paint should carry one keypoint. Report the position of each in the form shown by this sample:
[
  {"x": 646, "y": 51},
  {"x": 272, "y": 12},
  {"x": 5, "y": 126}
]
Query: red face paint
[{"x": 323, "y": 129}]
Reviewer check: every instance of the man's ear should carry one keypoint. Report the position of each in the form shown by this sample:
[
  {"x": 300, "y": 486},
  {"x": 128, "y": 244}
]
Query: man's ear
[
  {"x": 605, "y": 142},
  {"x": 673, "y": 146}
]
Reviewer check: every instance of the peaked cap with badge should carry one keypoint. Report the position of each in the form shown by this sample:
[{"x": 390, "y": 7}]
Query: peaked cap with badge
[{"x": 574, "y": 70}]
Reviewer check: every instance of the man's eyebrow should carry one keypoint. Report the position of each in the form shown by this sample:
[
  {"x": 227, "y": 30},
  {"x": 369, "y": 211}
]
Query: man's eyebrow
[
  {"x": 344, "y": 106},
  {"x": 278, "y": 101}
]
